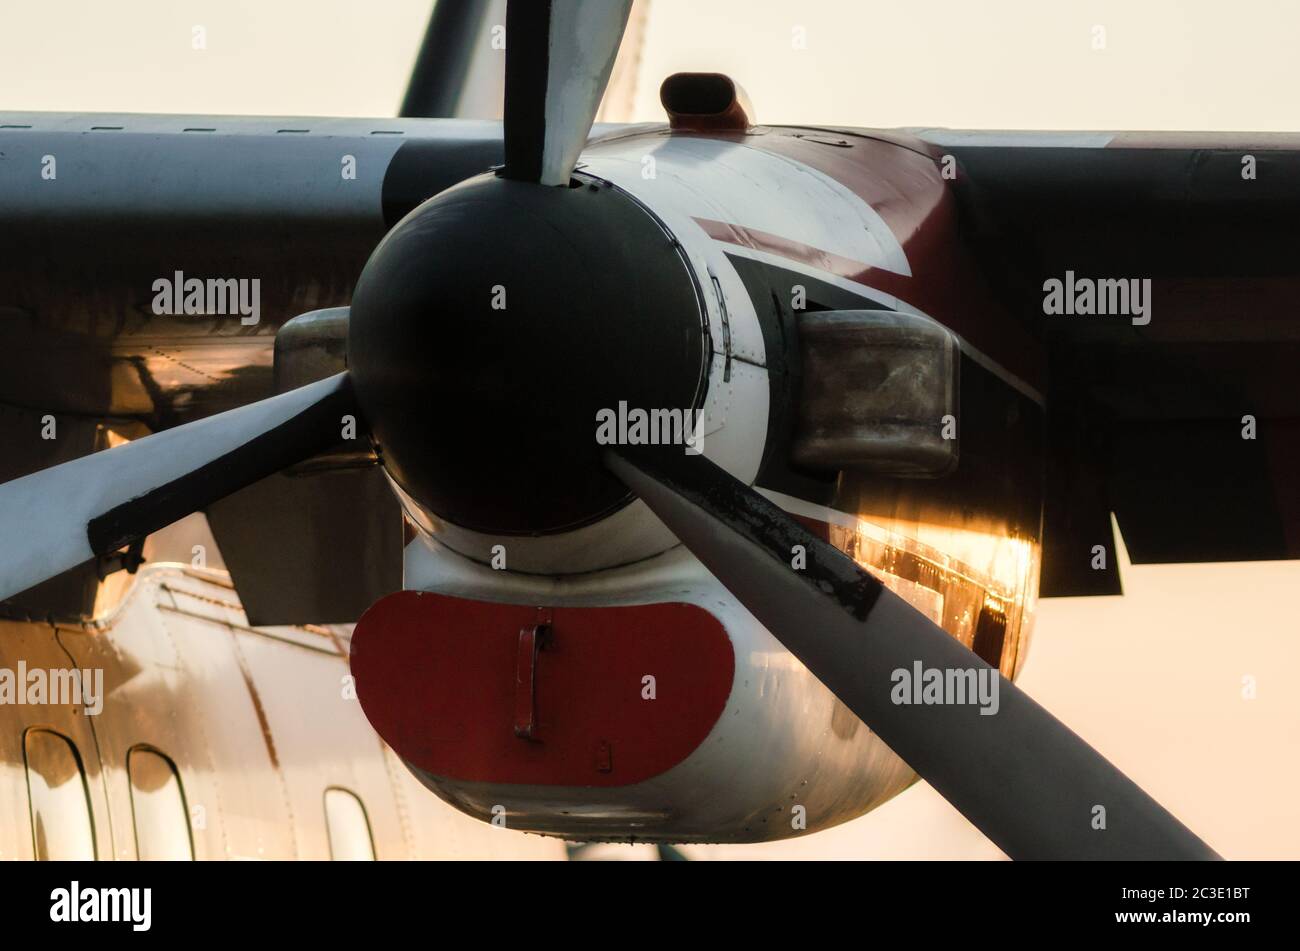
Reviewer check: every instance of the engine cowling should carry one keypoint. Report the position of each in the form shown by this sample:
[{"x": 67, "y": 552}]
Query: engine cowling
[{"x": 637, "y": 719}]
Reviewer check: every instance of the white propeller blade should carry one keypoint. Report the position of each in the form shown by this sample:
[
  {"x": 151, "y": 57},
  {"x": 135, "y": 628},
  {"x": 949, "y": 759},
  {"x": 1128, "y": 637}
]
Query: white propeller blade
[{"x": 58, "y": 518}]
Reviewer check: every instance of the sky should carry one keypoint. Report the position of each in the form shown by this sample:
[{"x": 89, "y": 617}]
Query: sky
[
  {"x": 1153, "y": 679},
  {"x": 1164, "y": 64}
]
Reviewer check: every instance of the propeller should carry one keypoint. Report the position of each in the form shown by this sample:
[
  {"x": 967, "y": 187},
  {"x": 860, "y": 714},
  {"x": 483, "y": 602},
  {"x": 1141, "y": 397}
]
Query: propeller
[{"x": 561, "y": 54}]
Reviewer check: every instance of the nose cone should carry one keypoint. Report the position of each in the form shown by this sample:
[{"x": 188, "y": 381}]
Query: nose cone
[{"x": 491, "y": 326}]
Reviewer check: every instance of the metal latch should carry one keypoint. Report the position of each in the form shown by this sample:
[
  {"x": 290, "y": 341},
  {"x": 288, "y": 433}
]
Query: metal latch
[{"x": 532, "y": 641}]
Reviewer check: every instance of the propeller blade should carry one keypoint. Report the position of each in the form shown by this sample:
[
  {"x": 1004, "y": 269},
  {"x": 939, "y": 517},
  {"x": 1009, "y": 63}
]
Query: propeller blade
[
  {"x": 1025, "y": 779},
  {"x": 443, "y": 64},
  {"x": 58, "y": 518},
  {"x": 559, "y": 54}
]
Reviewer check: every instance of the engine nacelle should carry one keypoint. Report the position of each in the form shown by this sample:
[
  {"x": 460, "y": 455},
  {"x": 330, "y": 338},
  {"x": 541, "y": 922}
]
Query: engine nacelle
[{"x": 666, "y": 713}]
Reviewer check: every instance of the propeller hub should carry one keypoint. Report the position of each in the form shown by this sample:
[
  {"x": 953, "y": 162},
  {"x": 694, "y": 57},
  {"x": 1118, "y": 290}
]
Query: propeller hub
[{"x": 493, "y": 324}]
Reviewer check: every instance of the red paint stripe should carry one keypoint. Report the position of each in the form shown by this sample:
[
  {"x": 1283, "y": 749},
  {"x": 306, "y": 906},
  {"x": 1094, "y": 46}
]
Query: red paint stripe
[{"x": 887, "y": 282}]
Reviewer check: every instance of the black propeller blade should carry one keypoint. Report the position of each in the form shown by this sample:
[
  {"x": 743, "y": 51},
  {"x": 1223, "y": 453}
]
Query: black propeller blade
[
  {"x": 443, "y": 63},
  {"x": 59, "y": 517},
  {"x": 1024, "y": 778}
]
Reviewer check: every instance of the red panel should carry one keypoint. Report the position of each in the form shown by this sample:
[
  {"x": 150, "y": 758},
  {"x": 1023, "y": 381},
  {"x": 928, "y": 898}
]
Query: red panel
[
  {"x": 906, "y": 188},
  {"x": 439, "y": 678}
]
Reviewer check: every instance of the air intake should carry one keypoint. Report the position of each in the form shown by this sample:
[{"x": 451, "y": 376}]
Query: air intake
[{"x": 705, "y": 102}]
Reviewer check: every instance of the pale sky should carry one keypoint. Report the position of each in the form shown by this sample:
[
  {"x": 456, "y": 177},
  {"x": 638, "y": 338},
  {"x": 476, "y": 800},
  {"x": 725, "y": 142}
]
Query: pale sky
[
  {"x": 1167, "y": 64},
  {"x": 1152, "y": 679}
]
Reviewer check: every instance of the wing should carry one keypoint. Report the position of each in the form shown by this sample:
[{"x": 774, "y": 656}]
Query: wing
[
  {"x": 295, "y": 204},
  {"x": 1184, "y": 422},
  {"x": 290, "y": 207},
  {"x": 97, "y": 208}
]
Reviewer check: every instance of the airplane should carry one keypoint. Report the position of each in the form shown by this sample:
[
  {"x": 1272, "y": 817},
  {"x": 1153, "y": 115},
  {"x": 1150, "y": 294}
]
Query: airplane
[{"x": 685, "y": 482}]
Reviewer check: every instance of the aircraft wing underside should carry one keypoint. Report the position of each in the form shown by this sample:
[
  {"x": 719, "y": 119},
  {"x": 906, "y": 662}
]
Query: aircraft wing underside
[{"x": 1151, "y": 416}]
